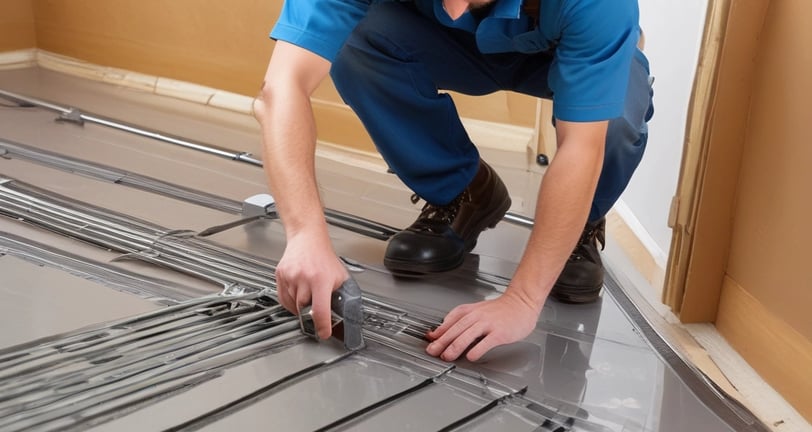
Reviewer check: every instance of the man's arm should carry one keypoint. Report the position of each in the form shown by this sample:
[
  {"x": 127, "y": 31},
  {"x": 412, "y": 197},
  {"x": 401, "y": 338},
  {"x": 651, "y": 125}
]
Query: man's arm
[
  {"x": 309, "y": 269},
  {"x": 564, "y": 200}
]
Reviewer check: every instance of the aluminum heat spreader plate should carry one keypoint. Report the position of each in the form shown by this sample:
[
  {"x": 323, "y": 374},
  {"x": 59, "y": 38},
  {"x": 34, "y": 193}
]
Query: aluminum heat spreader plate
[{"x": 119, "y": 316}]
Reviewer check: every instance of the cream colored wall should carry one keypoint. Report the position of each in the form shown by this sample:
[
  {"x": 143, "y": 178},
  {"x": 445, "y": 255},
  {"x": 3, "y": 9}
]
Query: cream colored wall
[
  {"x": 766, "y": 304},
  {"x": 210, "y": 42},
  {"x": 17, "y": 25},
  {"x": 219, "y": 44}
]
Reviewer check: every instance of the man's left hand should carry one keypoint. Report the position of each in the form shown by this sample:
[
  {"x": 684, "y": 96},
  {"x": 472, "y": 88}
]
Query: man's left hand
[{"x": 479, "y": 327}]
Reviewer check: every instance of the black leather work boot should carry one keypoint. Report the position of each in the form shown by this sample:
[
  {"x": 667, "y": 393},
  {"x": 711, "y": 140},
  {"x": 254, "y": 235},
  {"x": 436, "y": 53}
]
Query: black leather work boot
[
  {"x": 582, "y": 277},
  {"x": 441, "y": 236}
]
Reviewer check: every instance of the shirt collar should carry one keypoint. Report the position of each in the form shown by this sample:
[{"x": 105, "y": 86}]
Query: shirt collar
[
  {"x": 508, "y": 9},
  {"x": 504, "y": 9}
]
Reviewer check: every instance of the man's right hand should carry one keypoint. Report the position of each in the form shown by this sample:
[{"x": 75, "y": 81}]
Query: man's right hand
[
  {"x": 309, "y": 270},
  {"x": 307, "y": 274}
]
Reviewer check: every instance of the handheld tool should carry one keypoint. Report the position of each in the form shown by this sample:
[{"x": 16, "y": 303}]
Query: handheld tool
[{"x": 347, "y": 316}]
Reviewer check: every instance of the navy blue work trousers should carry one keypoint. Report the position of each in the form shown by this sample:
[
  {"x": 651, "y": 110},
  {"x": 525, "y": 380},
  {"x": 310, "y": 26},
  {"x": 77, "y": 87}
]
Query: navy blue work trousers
[{"x": 395, "y": 61}]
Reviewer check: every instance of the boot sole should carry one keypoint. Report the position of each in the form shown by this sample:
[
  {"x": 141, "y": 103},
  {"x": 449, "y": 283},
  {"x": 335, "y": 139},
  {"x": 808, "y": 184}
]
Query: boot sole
[
  {"x": 407, "y": 268},
  {"x": 576, "y": 295}
]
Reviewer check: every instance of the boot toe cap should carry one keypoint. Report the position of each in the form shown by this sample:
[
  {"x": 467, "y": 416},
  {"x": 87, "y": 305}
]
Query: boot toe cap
[{"x": 412, "y": 252}]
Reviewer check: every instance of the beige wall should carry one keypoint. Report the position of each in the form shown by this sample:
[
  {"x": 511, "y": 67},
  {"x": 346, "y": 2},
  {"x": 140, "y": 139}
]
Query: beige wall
[
  {"x": 210, "y": 42},
  {"x": 766, "y": 304},
  {"x": 17, "y": 25},
  {"x": 215, "y": 43}
]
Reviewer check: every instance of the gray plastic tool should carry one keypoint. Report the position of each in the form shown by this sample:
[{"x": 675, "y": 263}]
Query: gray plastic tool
[{"x": 347, "y": 315}]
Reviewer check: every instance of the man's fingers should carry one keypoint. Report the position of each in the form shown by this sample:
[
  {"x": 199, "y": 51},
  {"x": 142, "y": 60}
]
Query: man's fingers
[
  {"x": 284, "y": 296},
  {"x": 480, "y": 348},
  {"x": 321, "y": 316},
  {"x": 448, "y": 335},
  {"x": 448, "y": 322},
  {"x": 302, "y": 298},
  {"x": 462, "y": 342}
]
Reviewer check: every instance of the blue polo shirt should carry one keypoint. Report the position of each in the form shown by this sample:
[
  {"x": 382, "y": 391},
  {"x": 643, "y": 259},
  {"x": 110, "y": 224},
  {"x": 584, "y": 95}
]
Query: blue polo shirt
[{"x": 592, "y": 42}]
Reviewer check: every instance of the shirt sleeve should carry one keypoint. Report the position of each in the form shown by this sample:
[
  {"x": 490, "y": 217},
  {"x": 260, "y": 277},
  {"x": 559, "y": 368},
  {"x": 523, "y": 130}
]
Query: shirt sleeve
[
  {"x": 590, "y": 73},
  {"x": 319, "y": 26}
]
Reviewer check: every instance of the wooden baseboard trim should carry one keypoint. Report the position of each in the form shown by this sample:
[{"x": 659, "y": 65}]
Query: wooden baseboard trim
[
  {"x": 124, "y": 78},
  {"x": 18, "y": 59},
  {"x": 641, "y": 250},
  {"x": 781, "y": 355}
]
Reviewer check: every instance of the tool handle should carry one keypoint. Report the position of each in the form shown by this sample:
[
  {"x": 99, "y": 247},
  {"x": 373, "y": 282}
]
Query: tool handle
[{"x": 347, "y": 303}]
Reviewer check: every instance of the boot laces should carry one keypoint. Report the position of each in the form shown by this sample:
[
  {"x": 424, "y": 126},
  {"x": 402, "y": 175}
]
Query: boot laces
[
  {"x": 434, "y": 218},
  {"x": 593, "y": 234}
]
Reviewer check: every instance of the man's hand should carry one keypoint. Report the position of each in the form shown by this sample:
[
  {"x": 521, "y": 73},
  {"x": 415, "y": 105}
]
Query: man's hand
[
  {"x": 481, "y": 327},
  {"x": 561, "y": 210},
  {"x": 308, "y": 274}
]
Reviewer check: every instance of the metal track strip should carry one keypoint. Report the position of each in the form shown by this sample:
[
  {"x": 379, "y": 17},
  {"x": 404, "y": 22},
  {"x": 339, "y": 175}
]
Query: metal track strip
[
  {"x": 10, "y": 149},
  {"x": 15, "y": 150},
  {"x": 481, "y": 412},
  {"x": 176, "y": 250},
  {"x": 723, "y": 405},
  {"x": 157, "y": 290},
  {"x": 68, "y": 380},
  {"x": 256, "y": 396},
  {"x": 69, "y": 113},
  {"x": 367, "y": 410},
  {"x": 79, "y": 116}
]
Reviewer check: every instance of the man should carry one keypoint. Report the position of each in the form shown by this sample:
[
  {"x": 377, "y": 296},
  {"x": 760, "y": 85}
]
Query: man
[{"x": 389, "y": 58}]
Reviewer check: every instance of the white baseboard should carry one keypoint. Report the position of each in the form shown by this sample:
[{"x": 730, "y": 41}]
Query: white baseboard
[
  {"x": 641, "y": 250},
  {"x": 642, "y": 234}
]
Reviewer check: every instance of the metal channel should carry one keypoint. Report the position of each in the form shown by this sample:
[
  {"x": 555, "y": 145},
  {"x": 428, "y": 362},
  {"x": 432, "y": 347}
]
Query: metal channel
[
  {"x": 114, "y": 175},
  {"x": 158, "y": 290},
  {"x": 367, "y": 410},
  {"x": 88, "y": 377},
  {"x": 482, "y": 411},
  {"x": 9, "y": 149},
  {"x": 179, "y": 251},
  {"x": 256, "y": 396},
  {"x": 245, "y": 157},
  {"x": 131, "y": 128},
  {"x": 710, "y": 394}
]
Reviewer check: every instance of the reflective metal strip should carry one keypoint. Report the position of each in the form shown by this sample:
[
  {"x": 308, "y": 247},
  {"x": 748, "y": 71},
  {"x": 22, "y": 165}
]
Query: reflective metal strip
[
  {"x": 482, "y": 411},
  {"x": 94, "y": 372},
  {"x": 160, "y": 291},
  {"x": 382, "y": 230},
  {"x": 126, "y": 127},
  {"x": 519, "y": 220},
  {"x": 384, "y": 402},
  {"x": 343, "y": 220},
  {"x": 155, "y": 244},
  {"x": 256, "y": 396},
  {"x": 710, "y": 394}
]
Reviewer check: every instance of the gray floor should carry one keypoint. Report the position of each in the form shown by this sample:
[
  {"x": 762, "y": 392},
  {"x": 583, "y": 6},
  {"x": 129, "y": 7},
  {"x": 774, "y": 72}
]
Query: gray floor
[{"x": 73, "y": 357}]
